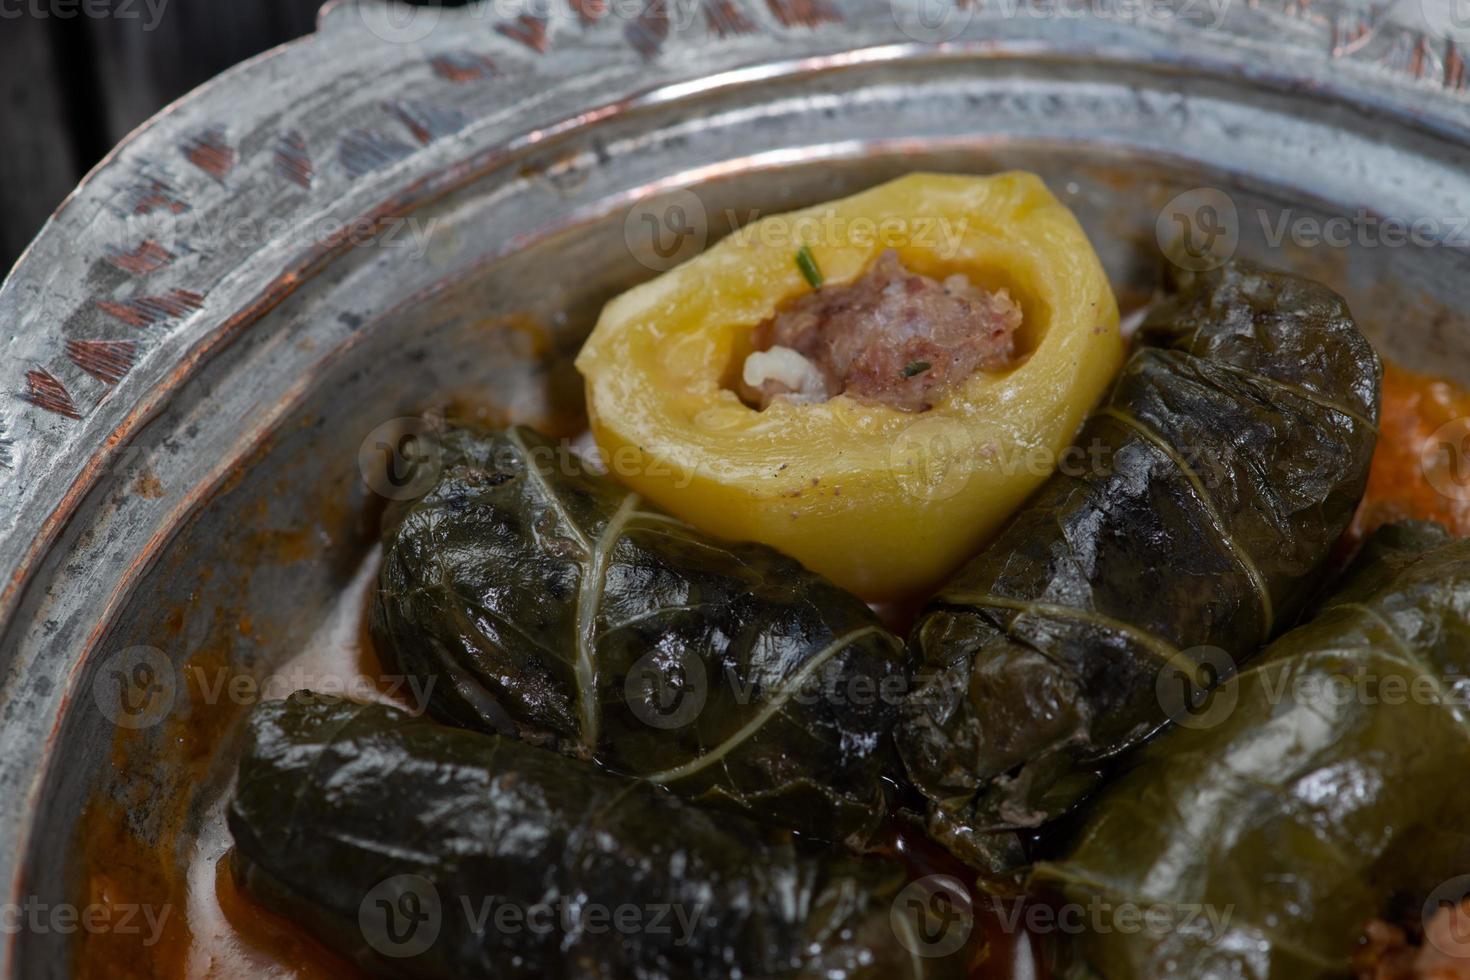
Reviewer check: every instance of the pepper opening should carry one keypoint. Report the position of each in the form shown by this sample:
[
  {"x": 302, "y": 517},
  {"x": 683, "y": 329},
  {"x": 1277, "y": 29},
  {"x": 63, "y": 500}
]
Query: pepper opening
[{"x": 890, "y": 337}]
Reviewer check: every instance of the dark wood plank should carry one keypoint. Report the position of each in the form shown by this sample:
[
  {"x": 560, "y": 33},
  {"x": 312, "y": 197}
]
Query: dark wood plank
[{"x": 37, "y": 165}]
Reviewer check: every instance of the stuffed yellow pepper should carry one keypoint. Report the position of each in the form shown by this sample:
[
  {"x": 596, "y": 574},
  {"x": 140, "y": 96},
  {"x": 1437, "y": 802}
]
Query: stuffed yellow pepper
[{"x": 871, "y": 385}]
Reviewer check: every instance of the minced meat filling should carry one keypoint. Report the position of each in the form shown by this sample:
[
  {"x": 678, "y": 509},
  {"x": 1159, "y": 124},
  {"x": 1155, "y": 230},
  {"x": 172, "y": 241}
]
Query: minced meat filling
[{"x": 890, "y": 337}]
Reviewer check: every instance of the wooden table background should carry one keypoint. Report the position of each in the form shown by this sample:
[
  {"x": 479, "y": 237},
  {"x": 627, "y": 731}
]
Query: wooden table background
[{"x": 72, "y": 86}]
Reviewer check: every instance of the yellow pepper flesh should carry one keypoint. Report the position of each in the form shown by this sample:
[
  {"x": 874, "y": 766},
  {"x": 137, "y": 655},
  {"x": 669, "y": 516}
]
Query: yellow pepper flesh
[{"x": 884, "y": 502}]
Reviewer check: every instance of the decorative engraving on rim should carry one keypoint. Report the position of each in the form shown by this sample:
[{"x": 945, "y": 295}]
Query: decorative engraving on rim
[
  {"x": 530, "y": 31},
  {"x": 1455, "y": 76},
  {"x": 152, "y": 194},
  {"x": 44, "y": 391},
  {"x": 1373, "y": 34},
  {"x": 647, "y": 33},
  {"x": 459, "y": 67},
  {"x": 804, "y": 13},
  {"x": 146, "y": 258},
  {"x": 365, "y": 150},
  {"x": 589, "y": 11},
  {"x": 144, "y": 311},
  {"x": 106, "y": 360},
  {"x": 426, "y": 122},
  {"x": 725, "y": 18},
  {"x": 1452, "y": 74},
  {"x": 293, "y": 161},
  {"x": 211, "y": 153}
]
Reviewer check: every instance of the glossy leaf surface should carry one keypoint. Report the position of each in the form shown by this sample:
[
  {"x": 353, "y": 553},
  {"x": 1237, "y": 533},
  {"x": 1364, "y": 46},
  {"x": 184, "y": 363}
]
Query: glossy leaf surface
[
  {"x": 1328, "y": 786},
  {"x": 1209, "y": 489},
  {"x": 544, "y": 600},
  {"x": 426, "y": 851}
]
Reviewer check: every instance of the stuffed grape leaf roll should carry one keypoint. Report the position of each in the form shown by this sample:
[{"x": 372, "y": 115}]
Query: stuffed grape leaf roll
[
  {"x": 1327, "y": 786},
  {"x": 541, "y": 599},
  {"x": 1222, "y": 467},
  {"x": 426, "y": 851}
]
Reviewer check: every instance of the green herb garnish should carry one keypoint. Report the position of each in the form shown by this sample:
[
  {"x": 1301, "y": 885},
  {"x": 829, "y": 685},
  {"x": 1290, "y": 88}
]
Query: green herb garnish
[
  {"x": 807, "y": 263},
  {"x": 916, "y": 367}
]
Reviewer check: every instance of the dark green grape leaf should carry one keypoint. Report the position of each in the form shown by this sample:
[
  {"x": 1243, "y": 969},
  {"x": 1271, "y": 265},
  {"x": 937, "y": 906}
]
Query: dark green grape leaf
[
  {"x": 421, "y": 850},
  {"x": 1334, "y": 785},
  {"x": 1219, "y": 472},
  {"x": 543, "y": 600}
]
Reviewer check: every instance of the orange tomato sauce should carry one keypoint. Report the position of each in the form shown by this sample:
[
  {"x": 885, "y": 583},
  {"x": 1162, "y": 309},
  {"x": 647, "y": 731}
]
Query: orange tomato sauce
[
  {"x": 1421, "y": 468},
  {"x": 212, "y": 930}
]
